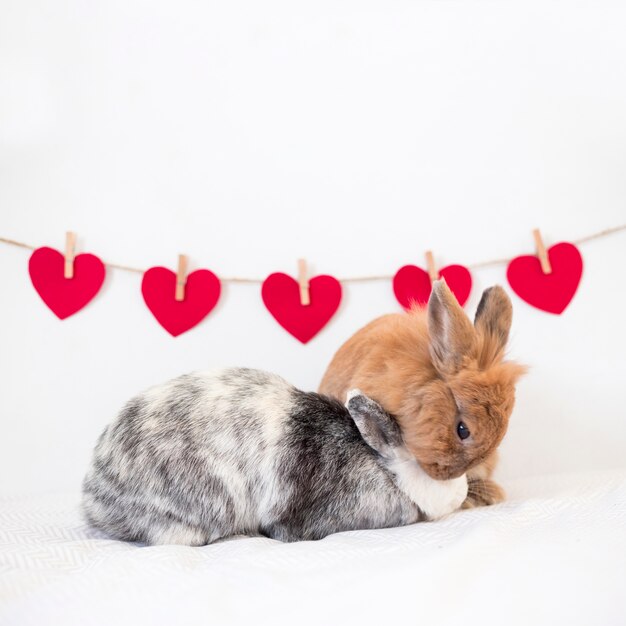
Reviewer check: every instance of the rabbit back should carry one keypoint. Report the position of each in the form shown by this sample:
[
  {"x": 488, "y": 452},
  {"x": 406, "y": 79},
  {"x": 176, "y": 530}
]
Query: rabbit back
[{"x": 190, "y": 461}]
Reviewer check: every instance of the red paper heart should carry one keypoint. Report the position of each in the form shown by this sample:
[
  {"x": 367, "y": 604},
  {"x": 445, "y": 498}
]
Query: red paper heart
[
  {"x": 548, "y": 292},
  {"x": 65, "y": 296},
  {"x": 202, "y": 291},
  {"x": 411, "y": 284},
  {"x": 281, "y": 296}
]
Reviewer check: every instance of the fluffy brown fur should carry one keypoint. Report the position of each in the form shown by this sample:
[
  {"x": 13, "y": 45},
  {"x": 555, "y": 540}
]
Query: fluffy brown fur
[{"x": 431, "y": 369}]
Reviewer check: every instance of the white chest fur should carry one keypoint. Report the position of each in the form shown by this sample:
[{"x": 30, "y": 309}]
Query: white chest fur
[{"x": 435, "y": 498}]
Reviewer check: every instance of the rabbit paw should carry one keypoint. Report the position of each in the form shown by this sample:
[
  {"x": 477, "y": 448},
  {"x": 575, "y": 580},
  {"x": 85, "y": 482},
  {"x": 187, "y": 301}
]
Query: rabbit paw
[{"x": 482, "y": 492}]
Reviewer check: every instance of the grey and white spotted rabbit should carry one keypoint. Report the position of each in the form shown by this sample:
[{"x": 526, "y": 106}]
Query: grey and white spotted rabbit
[{"x": 243, "y": 452}]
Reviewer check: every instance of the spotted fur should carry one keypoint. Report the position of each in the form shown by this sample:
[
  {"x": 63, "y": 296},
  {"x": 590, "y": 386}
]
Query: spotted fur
[{"x": 240, "y": 451}]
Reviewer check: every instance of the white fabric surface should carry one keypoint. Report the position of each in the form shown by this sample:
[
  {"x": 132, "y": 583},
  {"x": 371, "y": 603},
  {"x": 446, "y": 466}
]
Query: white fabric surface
[{"x": 555, "y": 553}]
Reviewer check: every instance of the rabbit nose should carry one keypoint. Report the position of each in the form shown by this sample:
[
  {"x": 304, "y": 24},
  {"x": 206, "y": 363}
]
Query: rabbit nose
[{"x": 438, "y": 471}]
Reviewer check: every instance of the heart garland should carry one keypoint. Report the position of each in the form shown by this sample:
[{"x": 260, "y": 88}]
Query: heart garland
[
  {"x": 412, "y": 284},
  {"x": 65, "y": 296},
  {"x": 281, "y": 296},
  {"x": 202, "y": 291},
  {"x": 549, "y": 292}
]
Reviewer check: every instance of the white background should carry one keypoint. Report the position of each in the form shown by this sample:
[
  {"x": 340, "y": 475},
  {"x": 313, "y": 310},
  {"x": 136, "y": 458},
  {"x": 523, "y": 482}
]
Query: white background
[{"x": 357, "y": 134}]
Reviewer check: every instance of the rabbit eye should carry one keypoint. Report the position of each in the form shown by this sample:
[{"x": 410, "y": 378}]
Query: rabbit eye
[{"x": 462, "y": 430}]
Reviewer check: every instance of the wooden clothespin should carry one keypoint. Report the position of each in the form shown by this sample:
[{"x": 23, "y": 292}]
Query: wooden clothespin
[
  {"x": 181, "y": 278},
  {"x": 431, "y": 267},
  {"x": 303, "y": 281},
  {"x": 70, "y": 243},
  {"x": 542, "y": 253}
]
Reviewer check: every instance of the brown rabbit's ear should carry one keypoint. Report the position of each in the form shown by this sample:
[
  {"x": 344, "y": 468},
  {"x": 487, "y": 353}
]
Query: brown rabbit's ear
[
  {"x": 493, "y": 318},
  {"x": 452, "y": 336}
]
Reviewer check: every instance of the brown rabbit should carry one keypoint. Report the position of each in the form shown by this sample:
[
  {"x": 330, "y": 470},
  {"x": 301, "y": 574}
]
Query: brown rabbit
[{"x": 446, "y": 382}]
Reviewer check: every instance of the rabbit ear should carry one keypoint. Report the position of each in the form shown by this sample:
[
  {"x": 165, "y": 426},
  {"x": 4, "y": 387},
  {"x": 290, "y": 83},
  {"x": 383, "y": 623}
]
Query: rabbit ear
[
  {"x": 494, "y": 314},
  {"x": 379, "y": 430},
  {"x": 493, "y": 323},
  {"x": 452, "y": 336}
]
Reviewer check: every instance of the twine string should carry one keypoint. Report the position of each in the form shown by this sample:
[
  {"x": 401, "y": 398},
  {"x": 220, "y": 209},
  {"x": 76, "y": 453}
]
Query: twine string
[{"x": 351, "y": 279}]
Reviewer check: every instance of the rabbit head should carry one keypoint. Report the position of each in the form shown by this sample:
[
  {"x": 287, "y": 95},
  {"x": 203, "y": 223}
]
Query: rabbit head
[
  {"x": 380, "y": 431},
  {"x": 443, "y": 378},
  {"x": 458, "y": 418}
]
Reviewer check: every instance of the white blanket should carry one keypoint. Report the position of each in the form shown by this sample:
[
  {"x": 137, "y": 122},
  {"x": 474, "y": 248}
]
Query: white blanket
[{"x": 555, "y": 553}]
